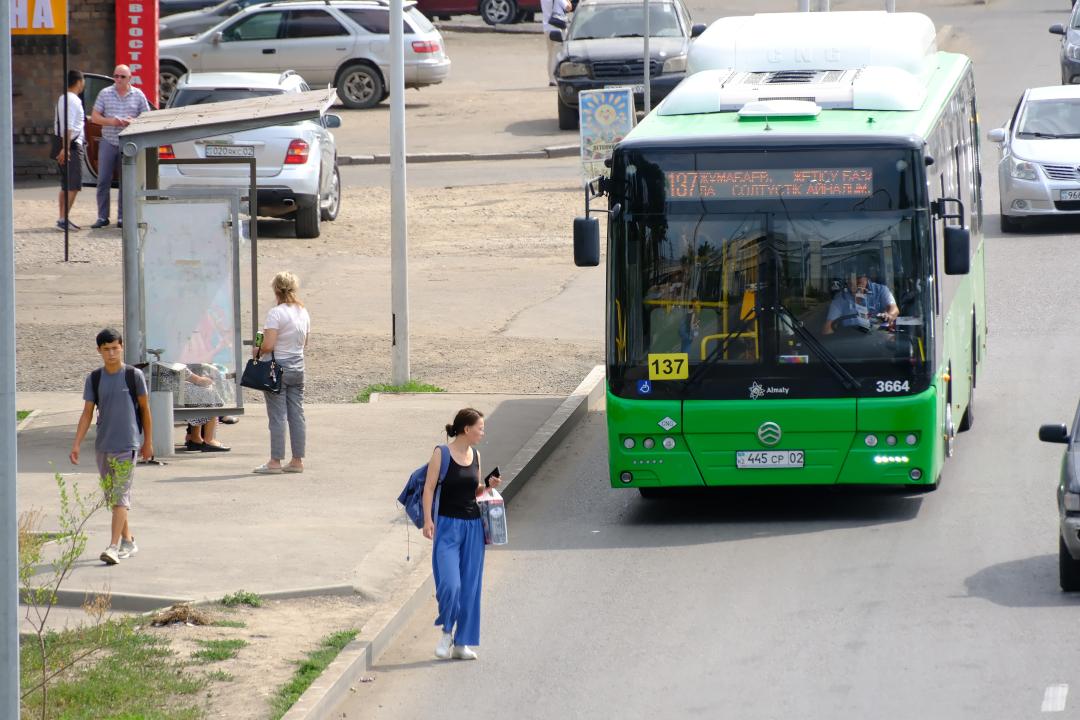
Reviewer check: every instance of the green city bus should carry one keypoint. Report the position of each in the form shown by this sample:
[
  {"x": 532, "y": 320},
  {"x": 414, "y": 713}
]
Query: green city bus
[{"x": 795, "y": 271}]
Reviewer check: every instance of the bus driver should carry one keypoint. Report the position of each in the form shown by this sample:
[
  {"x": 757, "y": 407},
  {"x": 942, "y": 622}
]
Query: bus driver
[{"x": 859, "y": 305}]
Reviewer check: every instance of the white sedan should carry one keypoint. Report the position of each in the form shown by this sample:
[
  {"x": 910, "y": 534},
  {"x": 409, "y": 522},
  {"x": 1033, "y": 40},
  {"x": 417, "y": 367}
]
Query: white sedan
[{"x": 1039, "y": 172}]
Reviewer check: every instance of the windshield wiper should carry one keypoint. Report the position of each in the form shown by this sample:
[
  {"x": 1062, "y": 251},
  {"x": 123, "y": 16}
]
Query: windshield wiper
[
  {"x": 1030, "y": 133},
  {"x": 831, "y": 361},
  {"x": 630, "y": 35}
]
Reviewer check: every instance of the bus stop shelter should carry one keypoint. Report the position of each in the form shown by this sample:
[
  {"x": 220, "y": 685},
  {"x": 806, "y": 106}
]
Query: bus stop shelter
[{"x": 190, "y": 259}]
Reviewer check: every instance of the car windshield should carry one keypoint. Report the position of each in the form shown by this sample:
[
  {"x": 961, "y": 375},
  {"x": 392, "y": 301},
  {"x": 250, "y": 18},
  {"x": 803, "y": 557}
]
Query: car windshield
[
  {"x": 1050, "y": 118},
  {"x": 614, "y": 21},
  {"x": 201, "y": 96}
]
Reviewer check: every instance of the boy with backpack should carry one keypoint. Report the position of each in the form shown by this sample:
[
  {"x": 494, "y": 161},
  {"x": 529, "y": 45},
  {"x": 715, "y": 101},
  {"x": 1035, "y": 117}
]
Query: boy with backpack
[{"x": 119, "y": 393}]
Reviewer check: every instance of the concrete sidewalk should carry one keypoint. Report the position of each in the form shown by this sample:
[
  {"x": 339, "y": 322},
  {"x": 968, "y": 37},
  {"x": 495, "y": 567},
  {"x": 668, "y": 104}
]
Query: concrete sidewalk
[{"x": 207, "y": 526}]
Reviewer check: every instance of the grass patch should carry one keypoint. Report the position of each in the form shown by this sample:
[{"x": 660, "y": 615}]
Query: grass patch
[
  {"x": 134, "y": 675},
  {"x": 242, "y": 597},
  {"x": 217, "y": 650},
  {"x": 413, "y": 386},
  {"x": 21, "y": 415},
  {"x": 229, "y": 623},
  {"x": 220, "y": 676},
  {"x": 307, "y": 670}
]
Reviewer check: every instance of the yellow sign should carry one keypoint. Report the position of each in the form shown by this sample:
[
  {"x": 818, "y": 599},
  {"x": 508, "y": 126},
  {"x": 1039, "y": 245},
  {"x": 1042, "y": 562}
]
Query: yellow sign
[
  {"x": 669, "y": 366},
  {"x": 39, "y": 17}
]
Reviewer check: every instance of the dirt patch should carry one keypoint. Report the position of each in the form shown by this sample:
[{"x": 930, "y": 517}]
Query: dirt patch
[{"x": 278, "y": 634}]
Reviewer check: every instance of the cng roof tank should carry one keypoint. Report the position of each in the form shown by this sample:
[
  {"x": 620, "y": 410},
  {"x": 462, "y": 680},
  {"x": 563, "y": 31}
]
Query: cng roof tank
[{"x": 817, "y": 41}]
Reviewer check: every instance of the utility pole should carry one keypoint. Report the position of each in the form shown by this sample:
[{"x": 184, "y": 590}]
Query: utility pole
[
  {"x": 648, "y": 64},
  {"x": 399, "y": 227},
  {"x": 9, "y": 516}
]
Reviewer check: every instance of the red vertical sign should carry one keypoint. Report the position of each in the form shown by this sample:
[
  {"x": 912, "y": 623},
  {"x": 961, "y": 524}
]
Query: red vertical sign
[{"x": 137, "y": 43}]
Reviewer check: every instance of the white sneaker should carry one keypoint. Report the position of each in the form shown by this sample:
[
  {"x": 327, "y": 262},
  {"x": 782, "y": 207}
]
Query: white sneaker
[
  {"x": 464, "y": 652},
  {"x": 110, "y": 556},
  {"x": 127, "y": 549},
  {"x": 442, "y": 650}
]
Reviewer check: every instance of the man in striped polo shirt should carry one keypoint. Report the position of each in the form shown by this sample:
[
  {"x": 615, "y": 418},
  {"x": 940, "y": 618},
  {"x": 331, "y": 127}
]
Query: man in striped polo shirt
[{"x": 116, "y": 106}]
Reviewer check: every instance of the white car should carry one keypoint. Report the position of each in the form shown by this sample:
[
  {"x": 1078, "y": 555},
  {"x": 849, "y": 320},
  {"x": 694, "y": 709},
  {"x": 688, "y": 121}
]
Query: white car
[
  {"x": 344, "y": 43},
  {"x": 295, "y": 164},
  {"x": 1039, "y": 172}
]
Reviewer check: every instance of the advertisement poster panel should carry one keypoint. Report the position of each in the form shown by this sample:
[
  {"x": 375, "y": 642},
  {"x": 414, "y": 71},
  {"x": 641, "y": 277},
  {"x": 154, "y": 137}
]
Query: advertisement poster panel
[
  {"x": 137, "y": 44},
  {"x": 606, "y": 117},
  {"x": 39, "y": 17}
]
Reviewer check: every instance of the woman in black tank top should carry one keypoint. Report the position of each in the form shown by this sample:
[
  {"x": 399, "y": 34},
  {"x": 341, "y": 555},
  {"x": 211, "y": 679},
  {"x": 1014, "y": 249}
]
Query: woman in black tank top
[{"x": 452, "y": 519}]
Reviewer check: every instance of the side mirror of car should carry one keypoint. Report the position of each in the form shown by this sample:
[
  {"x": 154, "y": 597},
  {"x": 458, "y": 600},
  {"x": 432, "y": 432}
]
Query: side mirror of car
[
  {"x": 331, "y": 121},
  {"x": 1056, "y": 433},
  {"x": 1057, "y": 29},
  {"x": 957, "y": 251},
  {"x": 996, "y": 135},
  {"x": 555, "y": 35},
  {"x": 232, "y": 8},
  {"x": 697, "y": 29},
  {"x": 216, "y": 37},
  {"x": 586, "y": 242}
]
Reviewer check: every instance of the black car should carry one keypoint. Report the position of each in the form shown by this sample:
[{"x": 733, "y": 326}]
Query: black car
[
  {"x": 193, "y": 22},
  {"x": 1068, "y": 499},
  {"x": 605, "y": 46},
  {"x": 1070, "y": 47},
  {"x": 171, "y": 7}
]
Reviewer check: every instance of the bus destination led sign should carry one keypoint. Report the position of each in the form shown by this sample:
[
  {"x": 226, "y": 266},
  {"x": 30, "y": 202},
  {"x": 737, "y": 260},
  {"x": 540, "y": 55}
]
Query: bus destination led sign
[{"x": 848, "y": 182}]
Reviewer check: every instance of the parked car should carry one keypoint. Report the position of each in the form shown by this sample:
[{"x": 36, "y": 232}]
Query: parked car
[
  {"x": 493, "y": 12},
  {"x": 604, "y": 46},
  {"x": 344, "y": 43},
  {"x": 172, "y": 7},
  {"x": 1068, "y": 500},
  {"x": 1040, "y": 153},
  {"x": 1070, "y": 47},
  {"x": 193, "y": 22},
  {"x": 296, "y": 164}
]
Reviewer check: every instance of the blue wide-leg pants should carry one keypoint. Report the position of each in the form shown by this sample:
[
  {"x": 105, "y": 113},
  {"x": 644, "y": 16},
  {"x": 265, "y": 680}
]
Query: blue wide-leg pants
[{"x": 458, "y": 564}]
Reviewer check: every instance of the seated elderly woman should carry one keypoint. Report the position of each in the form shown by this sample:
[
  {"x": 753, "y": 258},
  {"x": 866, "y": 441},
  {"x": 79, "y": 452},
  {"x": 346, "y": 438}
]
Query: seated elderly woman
[{"x": 201, "y": 391}]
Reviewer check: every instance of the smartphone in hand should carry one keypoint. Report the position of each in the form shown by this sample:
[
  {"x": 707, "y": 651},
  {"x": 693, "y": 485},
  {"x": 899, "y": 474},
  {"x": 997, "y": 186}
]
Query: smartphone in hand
[{"x": 493, "y": 473}]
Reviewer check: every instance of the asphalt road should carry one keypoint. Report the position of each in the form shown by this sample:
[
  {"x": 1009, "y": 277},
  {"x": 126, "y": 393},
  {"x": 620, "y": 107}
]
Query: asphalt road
[{"x": 805, "y": 603}]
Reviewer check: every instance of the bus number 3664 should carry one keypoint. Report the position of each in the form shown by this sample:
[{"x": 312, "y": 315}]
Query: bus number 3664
[{"x": 891, "y": 386}]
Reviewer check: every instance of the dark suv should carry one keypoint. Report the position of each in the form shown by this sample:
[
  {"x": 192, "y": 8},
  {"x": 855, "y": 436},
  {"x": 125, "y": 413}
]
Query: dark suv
[
  {"x": 1068, "y": 501},
  {"x": 1070, "y": 47},
  {"x": 604, "y": 46}
]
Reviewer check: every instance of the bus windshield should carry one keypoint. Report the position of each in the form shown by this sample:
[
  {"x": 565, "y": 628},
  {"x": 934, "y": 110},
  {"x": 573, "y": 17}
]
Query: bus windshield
[{"x": 804, "y": 276}]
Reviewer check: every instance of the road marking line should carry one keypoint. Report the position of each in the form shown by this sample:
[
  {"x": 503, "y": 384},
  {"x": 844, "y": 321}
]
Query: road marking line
[{"x": 1054, "y": 698}]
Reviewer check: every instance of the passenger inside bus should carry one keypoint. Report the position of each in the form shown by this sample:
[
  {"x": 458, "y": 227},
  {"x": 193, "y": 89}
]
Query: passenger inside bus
[{"x": 862, "y": 304}]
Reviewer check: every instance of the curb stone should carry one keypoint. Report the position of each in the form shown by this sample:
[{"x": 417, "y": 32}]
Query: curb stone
[
  {"x": 357, "y": 658},
  {"x": 554, "y": 151},
  {"x": 26, "y": 421}
]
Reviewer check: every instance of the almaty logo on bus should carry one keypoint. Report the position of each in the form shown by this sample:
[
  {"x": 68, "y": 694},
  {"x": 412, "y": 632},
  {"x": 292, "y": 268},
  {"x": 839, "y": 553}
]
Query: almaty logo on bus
[{"x": 769, "y": 433}]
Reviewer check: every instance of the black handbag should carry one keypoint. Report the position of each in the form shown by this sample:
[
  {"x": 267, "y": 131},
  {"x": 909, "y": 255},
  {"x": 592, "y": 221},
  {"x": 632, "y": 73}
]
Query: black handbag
[
  {"x": 262, "y": 375},
  {"x": 56, "y": 141}
]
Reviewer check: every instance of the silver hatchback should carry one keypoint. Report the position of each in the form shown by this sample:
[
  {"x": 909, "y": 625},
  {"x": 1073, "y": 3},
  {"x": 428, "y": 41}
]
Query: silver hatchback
[{"x": 344, "y": 43}]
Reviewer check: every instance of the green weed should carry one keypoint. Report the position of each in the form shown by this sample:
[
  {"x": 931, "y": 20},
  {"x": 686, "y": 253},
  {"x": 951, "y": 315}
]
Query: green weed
[
  {"x": 218, "y": 650},
  {"x": 229, "y": 623},
  {"x": 242, "y": 597},
  {"x": 308, "y": 670},
  {"x": 412, "y": 386}
]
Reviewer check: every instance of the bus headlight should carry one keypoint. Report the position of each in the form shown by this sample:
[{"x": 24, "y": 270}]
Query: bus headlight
[
  {"x": 648, "y": 443},
  {"x": 871, "y": 441},
  {"x": 669, "y": 443},
  {"x": 628, "y": 443},
  {"x": 911, "y": 439},
  {"x": 573, "y": 69},
  {"x": 626, "y": 477},
  {"x": 1022, "y": 170}
]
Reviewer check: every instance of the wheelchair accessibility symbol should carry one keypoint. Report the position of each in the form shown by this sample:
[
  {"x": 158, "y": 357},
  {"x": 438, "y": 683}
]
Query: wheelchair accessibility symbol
[{"x": 644, "y": 387}]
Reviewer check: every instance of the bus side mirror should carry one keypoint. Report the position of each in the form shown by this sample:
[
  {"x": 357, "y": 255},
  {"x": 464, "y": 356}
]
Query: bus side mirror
[
  {"x": 586, "y": 242},
  {"x": 957, "y": 251},
  {"x": 1053, "y": 433}
]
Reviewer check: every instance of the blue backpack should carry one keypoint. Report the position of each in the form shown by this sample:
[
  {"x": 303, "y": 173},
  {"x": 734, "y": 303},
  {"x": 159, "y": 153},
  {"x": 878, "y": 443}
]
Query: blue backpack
[{"x": 412, "y": 497}]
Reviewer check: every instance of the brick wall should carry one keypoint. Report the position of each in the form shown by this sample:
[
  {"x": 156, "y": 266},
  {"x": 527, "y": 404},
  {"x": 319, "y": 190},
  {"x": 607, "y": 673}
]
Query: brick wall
[{"x": 38, "y": 78}]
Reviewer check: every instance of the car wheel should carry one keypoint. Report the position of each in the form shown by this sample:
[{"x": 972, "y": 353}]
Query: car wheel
[
  {"x": 307, "y": 220},
  {"x": 498, "y": 12},
  {"x": 1068, "y": 569},
  {"x": 168, "y": 75},
  {"x": 1010, "y": 224},
  {"x": 329, "y": 212},
  {"x": 360, "y": 86},
  {"x": 968, "y": 418},
  {"x": 568, "y": 116}
]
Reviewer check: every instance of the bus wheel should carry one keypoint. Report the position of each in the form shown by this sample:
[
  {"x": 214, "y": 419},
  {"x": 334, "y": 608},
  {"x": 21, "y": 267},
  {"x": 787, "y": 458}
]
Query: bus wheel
[{"x": 969, "y": 415}]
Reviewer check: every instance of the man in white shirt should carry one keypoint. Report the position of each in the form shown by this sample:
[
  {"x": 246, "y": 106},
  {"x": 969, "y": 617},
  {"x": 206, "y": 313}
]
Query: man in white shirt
[
  {"x": 72, "y": 146},
  {"x": 553, "y": 10}
]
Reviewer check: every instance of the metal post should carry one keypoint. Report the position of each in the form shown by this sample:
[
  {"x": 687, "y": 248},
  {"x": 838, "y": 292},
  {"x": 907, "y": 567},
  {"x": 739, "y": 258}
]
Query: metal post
[
  {"x": 9, "y": 517},
  {"x": 648, "y": 64},
  {"x": 804, "y": 5},
  {"x": 134, "y": 340},
  {"x": 399, "y": 246},
  {"x": 890, "y": 5},
  {"x": 67, "y": 147}
]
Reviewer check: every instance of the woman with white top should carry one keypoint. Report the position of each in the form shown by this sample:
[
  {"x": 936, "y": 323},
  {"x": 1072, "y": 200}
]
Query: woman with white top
[{"x": 286, "y": 335}]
